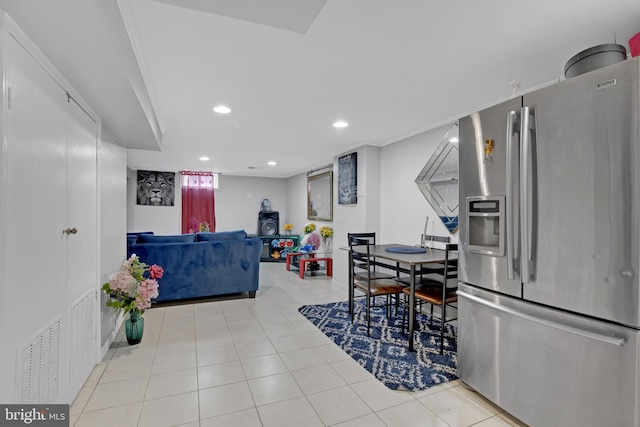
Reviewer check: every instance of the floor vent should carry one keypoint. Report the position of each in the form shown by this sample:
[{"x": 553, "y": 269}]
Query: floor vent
[
  {"x": 39, "y": 367},
  {"x": 81, "y": 332}
]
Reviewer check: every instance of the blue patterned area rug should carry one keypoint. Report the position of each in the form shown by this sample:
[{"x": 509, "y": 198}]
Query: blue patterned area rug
[{"x": 386, "y": 352}]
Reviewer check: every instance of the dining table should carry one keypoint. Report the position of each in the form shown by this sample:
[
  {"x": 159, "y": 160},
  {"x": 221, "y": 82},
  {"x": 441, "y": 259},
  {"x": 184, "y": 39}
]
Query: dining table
[{"x": 407, "y": 263}]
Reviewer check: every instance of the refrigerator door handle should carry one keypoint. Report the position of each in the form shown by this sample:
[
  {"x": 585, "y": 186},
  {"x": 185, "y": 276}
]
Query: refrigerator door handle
[
  {"x": 511, "y": 121},
  {"x": 526, "y": 198},
  {"x": 608, "y": 339}
]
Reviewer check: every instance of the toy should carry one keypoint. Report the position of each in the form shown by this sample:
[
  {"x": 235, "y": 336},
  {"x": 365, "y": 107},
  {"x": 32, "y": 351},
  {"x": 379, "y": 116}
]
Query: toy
[{"x": 307, "y": 248}]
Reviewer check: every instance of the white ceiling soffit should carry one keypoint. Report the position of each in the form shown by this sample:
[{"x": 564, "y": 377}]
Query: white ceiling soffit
[
  {"x": 290, "y": 15},
  {"x": 87, "y": 42}
]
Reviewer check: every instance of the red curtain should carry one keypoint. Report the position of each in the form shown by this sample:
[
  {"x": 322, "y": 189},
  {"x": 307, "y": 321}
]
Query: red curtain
[{"x": 198, "y": 205}]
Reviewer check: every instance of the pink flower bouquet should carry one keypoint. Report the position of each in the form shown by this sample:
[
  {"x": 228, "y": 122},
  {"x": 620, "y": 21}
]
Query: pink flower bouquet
[
  {"x": 133, "y": 287},
  {"x": 312, "y": 239}
]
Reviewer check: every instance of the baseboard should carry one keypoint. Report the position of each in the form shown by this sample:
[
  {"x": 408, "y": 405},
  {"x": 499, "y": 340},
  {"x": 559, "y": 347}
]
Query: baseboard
[
  {"x": 340, "y": 284},
  {"x": 112, "y": 336}
]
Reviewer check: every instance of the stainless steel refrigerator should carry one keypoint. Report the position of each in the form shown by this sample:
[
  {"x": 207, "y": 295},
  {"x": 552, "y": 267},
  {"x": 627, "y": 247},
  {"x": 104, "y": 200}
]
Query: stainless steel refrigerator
[{"x": 549, "y": 259}]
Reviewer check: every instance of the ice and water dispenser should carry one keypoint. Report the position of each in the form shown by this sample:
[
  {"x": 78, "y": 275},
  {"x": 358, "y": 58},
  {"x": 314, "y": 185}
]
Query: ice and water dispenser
[{"x": 486, "y": 225}]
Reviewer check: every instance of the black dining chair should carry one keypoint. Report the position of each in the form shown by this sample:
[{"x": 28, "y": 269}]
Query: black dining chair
[
  {"x": 438, "y": 290},
  {"x": 358, "y": 239},
  {"x": 367, "y": 278}
]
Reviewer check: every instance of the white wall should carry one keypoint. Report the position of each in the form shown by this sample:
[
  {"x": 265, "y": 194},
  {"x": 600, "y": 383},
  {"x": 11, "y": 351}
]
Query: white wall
[
  {"x": 237, "y": 203},
  {"x": 364, "y": 216},
  {"x": 403, "y": 208},
  {"x": 297, "y": 202},
  {"x": 389, "y": 201},
  {"x": 112, "y": 179},
  {"x": 159, "y": 219}
]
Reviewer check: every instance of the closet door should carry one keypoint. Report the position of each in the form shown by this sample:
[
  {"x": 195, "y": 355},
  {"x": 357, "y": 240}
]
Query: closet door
[
  {"x": 81, "y": 252},
  {"x": 35, "y": 244},
  {"x": 49, "y": 336}
]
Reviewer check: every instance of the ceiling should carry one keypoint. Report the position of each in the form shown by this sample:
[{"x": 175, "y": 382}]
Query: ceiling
[{"x": 153, "y": 69}]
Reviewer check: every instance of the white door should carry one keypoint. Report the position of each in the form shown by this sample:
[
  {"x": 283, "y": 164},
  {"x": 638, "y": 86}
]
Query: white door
[
  {"x": 36, "y": 214},
  {"x": 48, "y": 272},
  {"x": 81, "y": 253}
]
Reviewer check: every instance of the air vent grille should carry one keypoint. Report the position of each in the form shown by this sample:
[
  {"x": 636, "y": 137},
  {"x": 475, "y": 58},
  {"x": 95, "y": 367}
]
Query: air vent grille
[{"x": 39, "y": 367}]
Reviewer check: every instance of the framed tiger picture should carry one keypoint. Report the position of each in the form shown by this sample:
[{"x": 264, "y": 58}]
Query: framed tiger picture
[
  {"x": 348, "y": 179},
  {"x": 156, "y": 188}
]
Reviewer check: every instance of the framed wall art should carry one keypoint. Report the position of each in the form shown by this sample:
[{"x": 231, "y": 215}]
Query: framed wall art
[
  {"x": 320, "y": 197},
  {"x": 348, "y": 179},
  {"x": 156, "y": 188}
]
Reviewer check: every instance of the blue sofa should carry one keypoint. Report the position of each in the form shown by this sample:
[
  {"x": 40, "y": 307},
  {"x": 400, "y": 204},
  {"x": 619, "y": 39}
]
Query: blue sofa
[{"x": 201, "y": 264}]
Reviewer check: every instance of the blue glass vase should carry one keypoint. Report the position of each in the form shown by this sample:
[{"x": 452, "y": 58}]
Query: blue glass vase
[{"x": 134, "y": 327}]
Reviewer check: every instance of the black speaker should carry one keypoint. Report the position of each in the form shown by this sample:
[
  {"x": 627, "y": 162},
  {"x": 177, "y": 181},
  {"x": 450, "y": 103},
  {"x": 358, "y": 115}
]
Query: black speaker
[{"x": 268, "y": 223}]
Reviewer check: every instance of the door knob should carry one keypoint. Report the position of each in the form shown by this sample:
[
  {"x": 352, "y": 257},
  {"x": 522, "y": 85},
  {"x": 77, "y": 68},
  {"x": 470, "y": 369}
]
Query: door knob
[{"x": 71, "y": 231}]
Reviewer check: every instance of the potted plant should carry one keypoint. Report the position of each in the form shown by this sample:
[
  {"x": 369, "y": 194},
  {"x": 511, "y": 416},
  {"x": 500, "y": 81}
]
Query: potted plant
[
  {"x": 308, "y": 228},
  {"x": 287, "y": 228},
  {"x": 326, "y": 233},
  {"x": 131, "y": 290},
  {"x": 310, "y": 243}
]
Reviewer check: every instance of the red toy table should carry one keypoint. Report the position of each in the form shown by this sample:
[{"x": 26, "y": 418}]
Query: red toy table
[{"x": 312, "y": 258}]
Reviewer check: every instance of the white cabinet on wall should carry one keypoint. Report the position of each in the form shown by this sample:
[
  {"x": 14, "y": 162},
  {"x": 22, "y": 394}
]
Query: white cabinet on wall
[{"x": 48, "y": 260}]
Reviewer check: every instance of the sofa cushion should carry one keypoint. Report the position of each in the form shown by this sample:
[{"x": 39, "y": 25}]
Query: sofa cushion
[
  {"x": 176, "y": 238},
  {"x": 137, "y": 233},
  {"x": 132, "y": 237},
  {"x": 221, "y": 235}
]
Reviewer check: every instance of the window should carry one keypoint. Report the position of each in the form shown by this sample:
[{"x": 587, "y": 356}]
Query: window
[{"x": 198, "y": 201}]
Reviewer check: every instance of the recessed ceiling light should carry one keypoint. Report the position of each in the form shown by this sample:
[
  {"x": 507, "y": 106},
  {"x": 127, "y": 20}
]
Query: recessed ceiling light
[
  {"x": 453, "y": 139},
  {"x": 340, "y": 124},
  {"x": 272, "y": 163},
  {"x": 222, "y": 109},
  {"x": 204, "y": 158}
]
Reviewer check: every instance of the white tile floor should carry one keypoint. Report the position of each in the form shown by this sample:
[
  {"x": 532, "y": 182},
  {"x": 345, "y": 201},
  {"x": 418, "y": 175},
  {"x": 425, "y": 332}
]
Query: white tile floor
[{"x": 258, "y": 362}]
